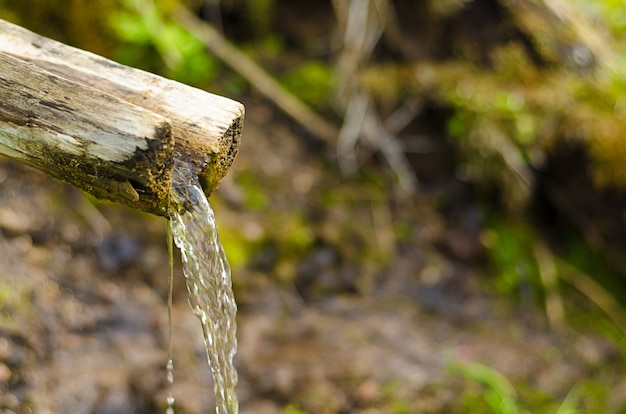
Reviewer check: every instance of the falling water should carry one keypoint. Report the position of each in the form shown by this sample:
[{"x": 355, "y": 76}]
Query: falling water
[
  {"x": 208, "y": 282},
  {"x": 170, "y": 301}
]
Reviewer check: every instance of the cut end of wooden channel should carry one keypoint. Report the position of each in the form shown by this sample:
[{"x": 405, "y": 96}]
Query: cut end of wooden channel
[{"x": 214, "y": 165}]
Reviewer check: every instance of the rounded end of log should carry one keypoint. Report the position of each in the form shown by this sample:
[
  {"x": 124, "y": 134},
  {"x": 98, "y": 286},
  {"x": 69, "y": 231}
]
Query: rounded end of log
[{"x": 209, "y": 142}]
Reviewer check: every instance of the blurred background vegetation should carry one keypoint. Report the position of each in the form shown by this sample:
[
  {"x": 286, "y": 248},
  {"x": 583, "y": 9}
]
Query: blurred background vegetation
[{"x": 490, "y": 131}]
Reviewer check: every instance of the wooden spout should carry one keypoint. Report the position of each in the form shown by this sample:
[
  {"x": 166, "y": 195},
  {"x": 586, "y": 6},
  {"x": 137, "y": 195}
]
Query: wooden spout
[{"x": 109, "y": 129}]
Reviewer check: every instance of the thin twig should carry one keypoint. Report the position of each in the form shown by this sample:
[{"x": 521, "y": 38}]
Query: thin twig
[
  {"x": 391, "y": 149},
  {"x": 404, "y": 114},
  {"x": 363, "y": 23},
  {"x": 354, "y": 117}
]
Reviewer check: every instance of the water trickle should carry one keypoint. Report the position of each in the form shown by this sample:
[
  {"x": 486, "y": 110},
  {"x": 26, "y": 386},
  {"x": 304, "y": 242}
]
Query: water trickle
[
  {"x": 170, "y": 299},
  {"x": 207, "y": 275},
  {"x": 170, "y": 381}
]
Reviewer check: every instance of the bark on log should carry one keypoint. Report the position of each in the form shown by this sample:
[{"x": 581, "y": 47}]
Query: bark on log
[
  {"x": 106, "y": 146},
  {"x": 206, "y": 128}
]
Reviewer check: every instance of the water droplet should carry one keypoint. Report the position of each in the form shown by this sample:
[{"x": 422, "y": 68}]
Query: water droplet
[{"x": 170, "y": 375}]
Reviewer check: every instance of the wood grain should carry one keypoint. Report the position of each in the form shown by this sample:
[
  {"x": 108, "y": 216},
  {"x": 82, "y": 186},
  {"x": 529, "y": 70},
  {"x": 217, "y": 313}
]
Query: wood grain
[
  {"x": 102, "y": 144},
  {"x": 206, "y": 128}
]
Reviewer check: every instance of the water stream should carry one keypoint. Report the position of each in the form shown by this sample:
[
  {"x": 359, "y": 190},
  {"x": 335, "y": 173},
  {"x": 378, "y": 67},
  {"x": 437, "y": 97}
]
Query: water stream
[{"x": 207, "y": 275}]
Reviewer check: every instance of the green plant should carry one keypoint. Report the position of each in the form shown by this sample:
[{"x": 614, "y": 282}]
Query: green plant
[
  {"x": 292, "y": 409},
  {"x": 568, "y": 406},
  {"x": 510, "y": 249},
  {"x": 498, "y": 395},
  {"x": 143, "y": 26}
]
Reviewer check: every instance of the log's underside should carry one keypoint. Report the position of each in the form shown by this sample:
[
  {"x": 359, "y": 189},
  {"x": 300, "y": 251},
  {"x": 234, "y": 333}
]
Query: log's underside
[{"x": 110, "y": 129}]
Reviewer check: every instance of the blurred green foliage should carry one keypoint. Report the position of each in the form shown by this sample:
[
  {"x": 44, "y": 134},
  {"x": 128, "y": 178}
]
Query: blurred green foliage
[
  {"x": 610, "y": 14},
  {"x": 291, "y": 409},
  {"x": 255, "y": 196},
  {"x": 486, "y": 391},
  {"x": 311, "y": 81},
  {"x": 14, "y": 300},
  {"x": 507, "y": 117},
  {"x": 260, "y": 14},
  {"x": 497, "y": 394},
  {"x": 510, "y": 248},
  {"x": 152, "y": 41}
]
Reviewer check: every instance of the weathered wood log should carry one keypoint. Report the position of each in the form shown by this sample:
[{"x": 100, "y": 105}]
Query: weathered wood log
[
  {"x": 102, "y": 144},
  {"x": 206, "y": 128}
]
